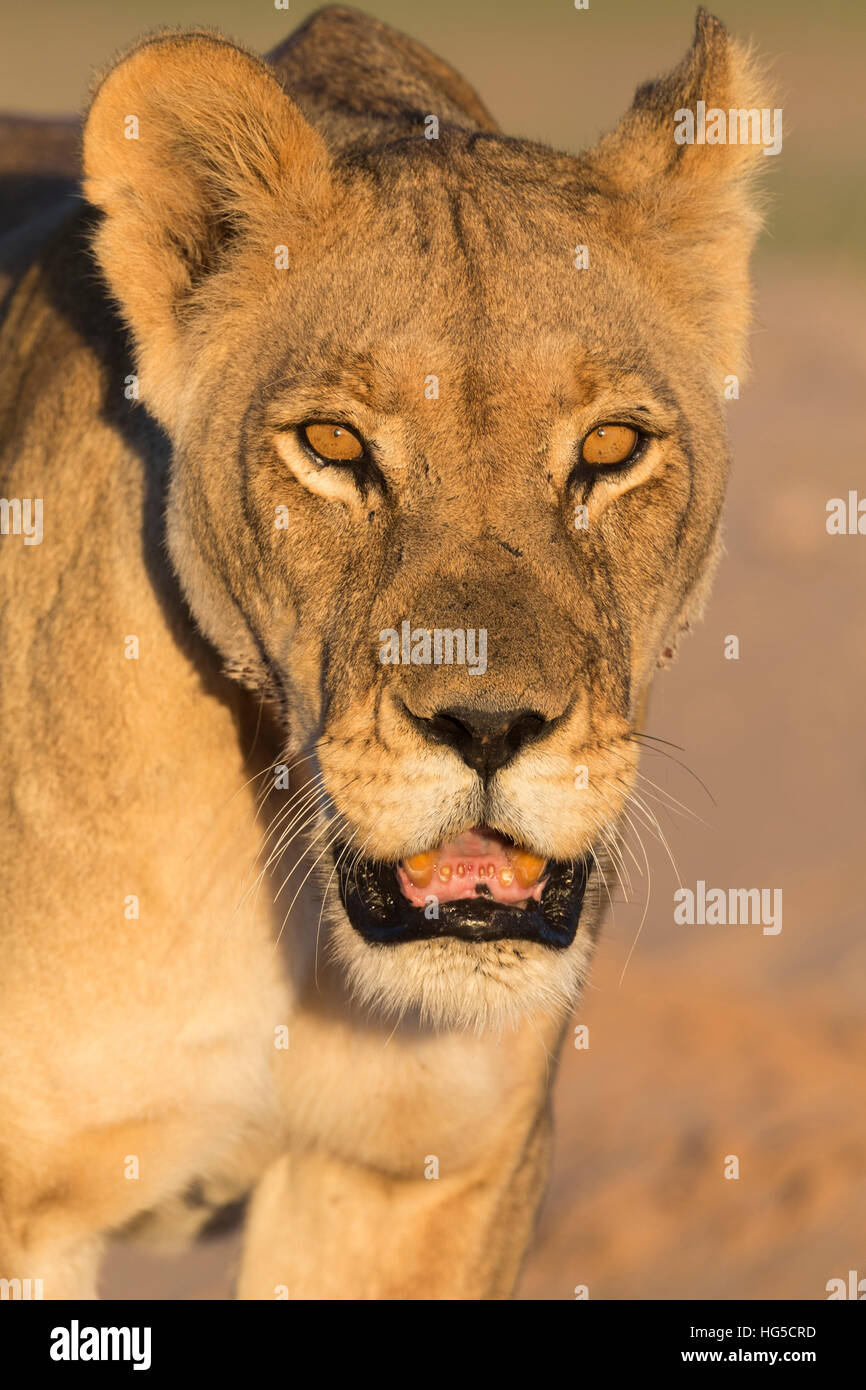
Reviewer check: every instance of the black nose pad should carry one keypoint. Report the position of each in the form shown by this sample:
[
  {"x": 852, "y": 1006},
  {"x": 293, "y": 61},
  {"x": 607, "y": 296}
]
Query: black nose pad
[{"x": 485, "y": 739}]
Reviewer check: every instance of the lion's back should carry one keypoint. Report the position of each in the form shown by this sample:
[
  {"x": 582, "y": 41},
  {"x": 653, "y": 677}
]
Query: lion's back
[{"x": 39, "y": 184}]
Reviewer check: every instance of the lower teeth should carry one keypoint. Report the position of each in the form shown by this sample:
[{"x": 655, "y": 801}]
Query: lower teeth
[{"x": 523, "y": 866}]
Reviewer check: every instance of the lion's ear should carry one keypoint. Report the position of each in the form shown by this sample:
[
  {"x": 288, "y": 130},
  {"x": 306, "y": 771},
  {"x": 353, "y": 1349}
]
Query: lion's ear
[
  {"x": 189, "y": 140},
  {"x": 684, "y": 163}
]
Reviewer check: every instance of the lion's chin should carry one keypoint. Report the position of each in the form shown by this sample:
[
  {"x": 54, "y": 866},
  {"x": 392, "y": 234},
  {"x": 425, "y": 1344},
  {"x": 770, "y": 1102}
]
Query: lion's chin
[{"x": 445, "y": 980}]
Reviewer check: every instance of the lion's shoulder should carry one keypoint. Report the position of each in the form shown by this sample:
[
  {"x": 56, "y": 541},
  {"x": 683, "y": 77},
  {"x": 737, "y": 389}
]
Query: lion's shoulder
[{"x": 355, "y": 77}]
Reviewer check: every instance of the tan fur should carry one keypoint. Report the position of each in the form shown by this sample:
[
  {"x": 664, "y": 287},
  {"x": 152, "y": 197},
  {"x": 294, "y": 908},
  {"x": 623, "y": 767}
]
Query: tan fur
[{"x": 153, "y": 1039}]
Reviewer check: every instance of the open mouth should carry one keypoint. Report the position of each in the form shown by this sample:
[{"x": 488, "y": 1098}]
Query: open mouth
[{"x": 479, "y": 887}]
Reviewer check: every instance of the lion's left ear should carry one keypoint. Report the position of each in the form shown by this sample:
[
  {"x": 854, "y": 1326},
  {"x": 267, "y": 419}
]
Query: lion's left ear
[
  {"x": 189, "y": 140},
  {"x": 683, "y": 167}
]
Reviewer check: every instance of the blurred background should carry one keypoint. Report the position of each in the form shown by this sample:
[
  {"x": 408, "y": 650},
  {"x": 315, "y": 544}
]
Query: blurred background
[{"x": 704, "y": 1041}]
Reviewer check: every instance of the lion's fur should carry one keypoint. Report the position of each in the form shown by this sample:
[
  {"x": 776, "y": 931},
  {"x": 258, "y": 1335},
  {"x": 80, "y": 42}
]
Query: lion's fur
[{"x": 154, "y": 1038}]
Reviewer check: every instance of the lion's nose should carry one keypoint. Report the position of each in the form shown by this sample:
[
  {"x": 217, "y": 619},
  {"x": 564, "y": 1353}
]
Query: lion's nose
[{"x": 485, "y": 739}]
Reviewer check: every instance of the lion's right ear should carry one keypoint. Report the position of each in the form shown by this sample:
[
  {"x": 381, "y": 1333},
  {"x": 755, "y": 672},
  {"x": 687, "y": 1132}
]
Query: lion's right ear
[
  {"x": 692, "y": 199},
  {"x": 188, "y": 141}
]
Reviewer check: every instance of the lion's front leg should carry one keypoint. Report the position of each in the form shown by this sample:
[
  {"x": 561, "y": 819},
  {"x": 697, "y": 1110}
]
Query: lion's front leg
[
  {"x": 48, "y": 1271},
  {"x": 323, "y": 1228}
]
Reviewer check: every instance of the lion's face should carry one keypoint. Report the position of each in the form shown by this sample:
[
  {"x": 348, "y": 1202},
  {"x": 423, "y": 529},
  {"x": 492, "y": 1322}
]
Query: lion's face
[{"x": 449, "y": 494}]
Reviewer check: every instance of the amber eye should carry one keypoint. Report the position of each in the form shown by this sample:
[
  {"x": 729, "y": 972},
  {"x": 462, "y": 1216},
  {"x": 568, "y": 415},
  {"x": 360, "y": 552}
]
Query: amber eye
[
  {"x": 609, "y": 444},
  {"x": 333, "y": 442}
]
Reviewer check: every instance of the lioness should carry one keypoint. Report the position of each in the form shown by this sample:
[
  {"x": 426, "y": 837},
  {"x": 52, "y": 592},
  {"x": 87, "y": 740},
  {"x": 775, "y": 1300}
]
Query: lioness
[{"x": 378, "y": 459}]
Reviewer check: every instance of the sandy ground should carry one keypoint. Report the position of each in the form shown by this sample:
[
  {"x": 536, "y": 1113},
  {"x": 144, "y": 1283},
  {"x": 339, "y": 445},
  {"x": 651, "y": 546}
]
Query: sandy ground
[{"x": 713, "y": 1041}]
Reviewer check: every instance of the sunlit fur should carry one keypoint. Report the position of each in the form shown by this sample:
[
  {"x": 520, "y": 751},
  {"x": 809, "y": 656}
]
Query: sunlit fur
[{"x": 282, "y": 243}]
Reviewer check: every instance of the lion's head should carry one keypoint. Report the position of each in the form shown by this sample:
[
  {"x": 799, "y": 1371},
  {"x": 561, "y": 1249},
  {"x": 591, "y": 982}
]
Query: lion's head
[{"x": 449, "y": 456}]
